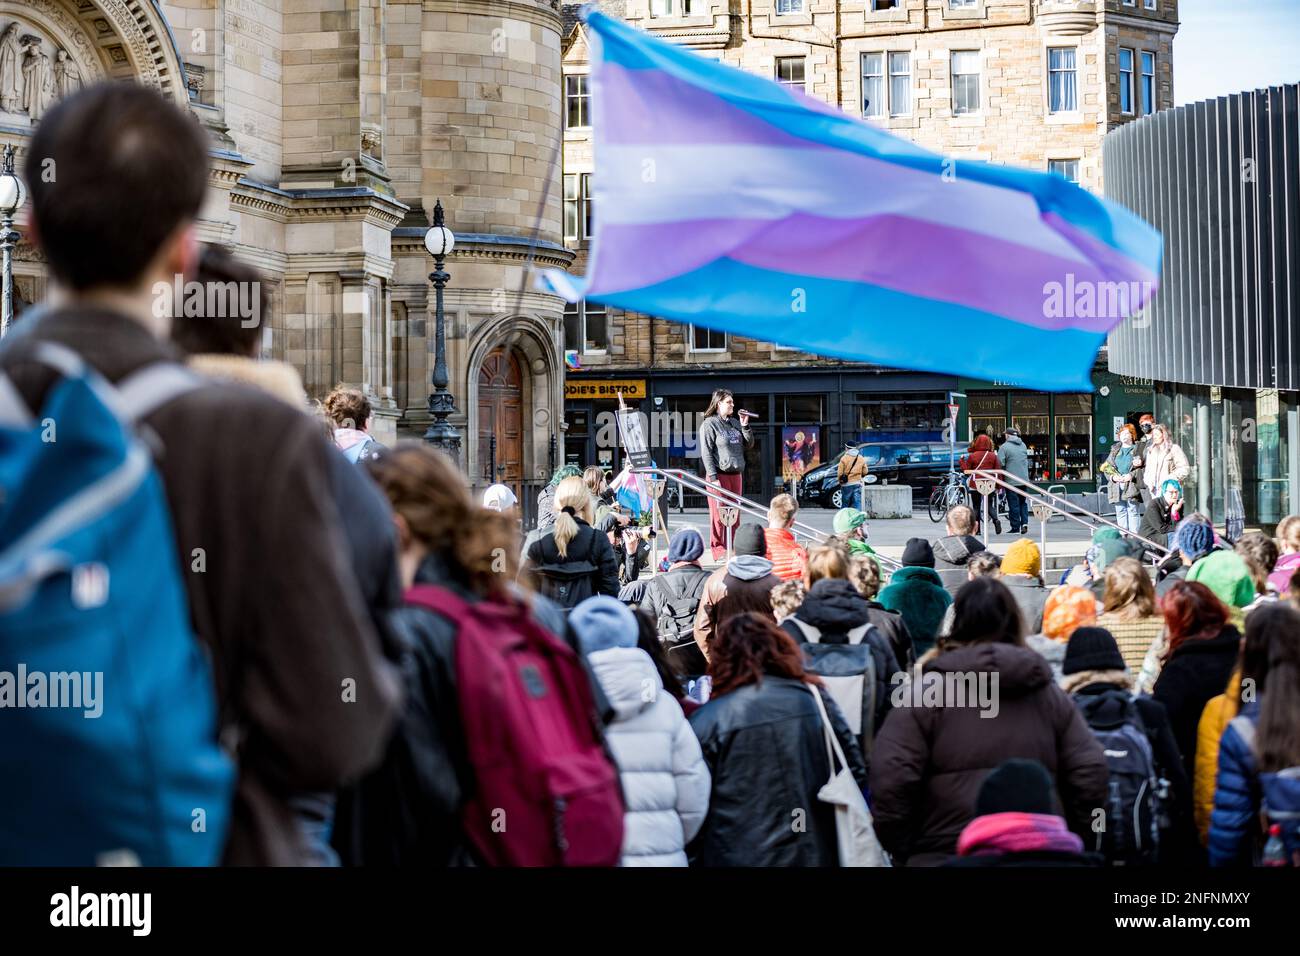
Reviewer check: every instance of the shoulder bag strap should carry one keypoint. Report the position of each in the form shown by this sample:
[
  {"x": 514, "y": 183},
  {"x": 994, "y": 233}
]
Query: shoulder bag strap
[{"x": 833, "y": 750}]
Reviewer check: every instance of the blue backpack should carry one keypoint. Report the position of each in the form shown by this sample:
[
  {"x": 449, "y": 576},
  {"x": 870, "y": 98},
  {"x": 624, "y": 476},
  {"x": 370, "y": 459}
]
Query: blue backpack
[{"x": 107, "y": 708}]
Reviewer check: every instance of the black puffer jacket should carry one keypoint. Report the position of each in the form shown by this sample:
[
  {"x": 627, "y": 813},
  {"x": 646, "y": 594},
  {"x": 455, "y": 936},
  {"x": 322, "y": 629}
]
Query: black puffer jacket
[
  {"x": 891, "y": 624},
  {"x": 764, "y": 747},
  {"x": 835, "y": 607},
  {"x": 1197, "y": 671},
  {"x": 587, "y": 544},
  {"x": 929, "y": 761}
]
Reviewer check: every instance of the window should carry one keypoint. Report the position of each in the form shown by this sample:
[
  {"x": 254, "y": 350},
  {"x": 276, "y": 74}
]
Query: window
[
  {"x": 1069, "y": 168},
  {"x": 965, "y": 81},
  {"x": 577, "y": 206},
  {"x": 1061, "y": 92},
  {"x": 900, "y": 84},
  {"x": 884, "y": 4},
  {"x": 586, "y": 329},
  {"x": 879, "y": 99},
  {"x": 789, "y": 72},
  {"x": 961, "y": 4},
  {"x": 1148, "y": 83},
  {"x": 576, "y": 102},
  {"x": 1128, "y": 3},
  {"x": 1149, "y": 4},
  {"x": 1126, "y": 81},
  {"x": 661, "y": 8},
  {"x": 707, "y": 340},
  {"x": 789, "y": 6}
]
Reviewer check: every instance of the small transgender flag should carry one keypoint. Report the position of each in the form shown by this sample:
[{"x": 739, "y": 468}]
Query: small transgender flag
[
  {"x": 571, "y": 359},
  {"x": 632, "y": 491},
  {"x": 726, "y": 200}
]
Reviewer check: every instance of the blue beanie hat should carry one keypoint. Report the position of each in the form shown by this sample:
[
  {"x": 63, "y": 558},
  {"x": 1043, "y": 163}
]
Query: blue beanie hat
[
  {"x": 1194, "y": 539},
  {"x": 602, "y": 622},
  {"x": 687, "y": 545}
]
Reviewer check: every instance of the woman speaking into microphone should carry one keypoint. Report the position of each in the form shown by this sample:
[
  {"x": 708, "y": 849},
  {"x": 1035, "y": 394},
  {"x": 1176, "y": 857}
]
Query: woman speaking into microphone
[{"x": 723, "y": 440}]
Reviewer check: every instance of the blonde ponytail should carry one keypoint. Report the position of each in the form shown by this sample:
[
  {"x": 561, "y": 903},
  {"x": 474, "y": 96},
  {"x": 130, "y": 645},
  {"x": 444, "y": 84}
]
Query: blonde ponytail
[{"x": 574, "y": 494}]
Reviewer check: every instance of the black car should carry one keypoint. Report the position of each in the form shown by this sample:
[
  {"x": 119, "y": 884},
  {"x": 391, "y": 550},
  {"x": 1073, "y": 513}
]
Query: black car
[{"x": 919, "y": 464}]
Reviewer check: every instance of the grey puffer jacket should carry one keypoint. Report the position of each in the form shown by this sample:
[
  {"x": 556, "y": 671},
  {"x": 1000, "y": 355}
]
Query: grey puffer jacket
[
  {"x": 1014, "y": 457},
  {"x": 722, "y": 445}
]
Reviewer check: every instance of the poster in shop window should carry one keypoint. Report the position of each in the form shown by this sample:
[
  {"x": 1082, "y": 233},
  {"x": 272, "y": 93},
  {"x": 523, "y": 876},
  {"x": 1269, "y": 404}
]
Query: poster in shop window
[{"x": 801, "y": 451}]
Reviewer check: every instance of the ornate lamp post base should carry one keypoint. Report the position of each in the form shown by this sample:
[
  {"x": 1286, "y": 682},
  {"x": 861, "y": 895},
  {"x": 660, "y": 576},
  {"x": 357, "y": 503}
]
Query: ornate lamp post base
[{"x": 441, "y": 433}]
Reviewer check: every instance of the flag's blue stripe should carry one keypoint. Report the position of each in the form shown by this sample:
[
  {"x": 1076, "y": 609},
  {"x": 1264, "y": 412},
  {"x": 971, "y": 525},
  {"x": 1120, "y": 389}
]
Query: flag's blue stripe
[
  {"x": 894, "y": 328},
  {"x": 1109, "y": 222}
]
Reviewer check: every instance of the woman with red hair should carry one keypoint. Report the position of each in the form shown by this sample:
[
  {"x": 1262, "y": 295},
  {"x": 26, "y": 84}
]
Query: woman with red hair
[
  {"x": 1201, "y": 654},
  {"x": 762, "y": 739},
  {"x": 982, "y": 455}
]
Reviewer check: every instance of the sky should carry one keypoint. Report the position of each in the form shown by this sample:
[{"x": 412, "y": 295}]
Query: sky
[{"x": 1227, "y": 46}]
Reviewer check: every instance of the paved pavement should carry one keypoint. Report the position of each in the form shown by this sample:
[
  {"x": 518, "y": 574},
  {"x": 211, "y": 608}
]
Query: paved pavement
[{"x": 1066, "y": 539}]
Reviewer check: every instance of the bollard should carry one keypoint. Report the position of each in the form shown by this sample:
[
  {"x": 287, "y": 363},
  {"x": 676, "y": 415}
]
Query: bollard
[
  {"x": 729, "y": 516},
  {"x": 1042, "y": 512},
  {"x": 985, "y": 487}
]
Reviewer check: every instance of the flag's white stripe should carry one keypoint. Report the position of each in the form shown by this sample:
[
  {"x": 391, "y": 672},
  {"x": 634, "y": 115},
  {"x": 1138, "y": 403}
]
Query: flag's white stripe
[{"x": 666, "y": 183}]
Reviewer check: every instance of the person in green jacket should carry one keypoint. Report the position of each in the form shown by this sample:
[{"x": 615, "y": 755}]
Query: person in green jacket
[{"x": 851, "y": 525}]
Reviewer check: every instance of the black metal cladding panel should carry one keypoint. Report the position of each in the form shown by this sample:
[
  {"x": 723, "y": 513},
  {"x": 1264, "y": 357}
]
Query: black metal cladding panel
[{"x": 1221, "y": 181}]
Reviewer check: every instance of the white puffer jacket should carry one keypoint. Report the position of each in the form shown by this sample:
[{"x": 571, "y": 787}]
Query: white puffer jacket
[{"x": 665, "y": 780}]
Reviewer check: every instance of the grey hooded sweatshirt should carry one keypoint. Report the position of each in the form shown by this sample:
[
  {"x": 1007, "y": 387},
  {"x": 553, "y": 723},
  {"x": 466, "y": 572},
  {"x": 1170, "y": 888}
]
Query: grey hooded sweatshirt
[{"x": 722, "y": 445}]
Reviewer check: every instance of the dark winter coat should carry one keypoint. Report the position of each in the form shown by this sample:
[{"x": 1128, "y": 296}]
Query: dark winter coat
[
  {"x": 929, "y": 762},
  {"x": 1167, "y": 581},
  {"x": 277, "y": 605},
  {"x": 1197, "y": 672},
  {"x": 919, "y": 596},
  {"x": 1031, "y": 598},
  {"x": 744, "y": 584},
  {"x": 587, "y": 545},
  {"x": 764, "y": 747},
  {"x": 835, "y": 607},
  {"x": 684, "y": 580},
  {"x": 1234, "y": 822},
  {"x": 1157, "y": 522},
  {"x": 891, "y": 624}
]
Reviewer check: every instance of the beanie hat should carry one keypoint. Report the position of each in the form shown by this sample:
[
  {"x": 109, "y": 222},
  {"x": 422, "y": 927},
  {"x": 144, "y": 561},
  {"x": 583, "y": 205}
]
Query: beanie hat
[
  {"x": 749, "y": 539},
  {"x": 1104, "y": 553},
  {"x": 1224, "y": 573},
  {"x": 1067, "y": 609},
  {"x": 1194, "y": 539},
  {"x": 1022, "y": 558},
  {"x": 918, "y": 554},
  {"x": 1092, "y": 649},
  {"x": 602, "y": 622},
  {"x": 1104, "y": 533},
  {"x": 1016, "y": 786},
  {"x": 846, "y": 519},
  {"x": 687, "y": 545}
]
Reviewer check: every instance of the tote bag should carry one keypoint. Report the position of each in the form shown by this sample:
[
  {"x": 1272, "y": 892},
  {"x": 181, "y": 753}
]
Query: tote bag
[{"x": 854, "y": 834}]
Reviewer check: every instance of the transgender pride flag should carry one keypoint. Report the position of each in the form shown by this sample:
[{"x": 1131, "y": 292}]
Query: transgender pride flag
[{"x": 728, "y": 201}]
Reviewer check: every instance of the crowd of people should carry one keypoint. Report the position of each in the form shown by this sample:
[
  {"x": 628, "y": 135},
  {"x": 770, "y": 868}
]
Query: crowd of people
[{"x": 368, "y": 667}]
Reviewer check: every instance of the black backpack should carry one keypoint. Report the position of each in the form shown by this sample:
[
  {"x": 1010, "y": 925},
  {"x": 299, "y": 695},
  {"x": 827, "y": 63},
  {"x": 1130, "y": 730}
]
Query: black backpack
[
  {"x": 679, "y": 601},
  {"x": 1130, "y": 835},
  {"x": 568, "y": 583}
]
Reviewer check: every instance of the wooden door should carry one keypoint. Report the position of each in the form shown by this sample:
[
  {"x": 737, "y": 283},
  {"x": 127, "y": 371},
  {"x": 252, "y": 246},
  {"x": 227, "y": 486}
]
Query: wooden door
[{"x": 500, "y": 414}]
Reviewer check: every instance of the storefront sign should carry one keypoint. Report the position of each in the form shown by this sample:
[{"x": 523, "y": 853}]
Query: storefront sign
[{"x": 633, "y": 389}]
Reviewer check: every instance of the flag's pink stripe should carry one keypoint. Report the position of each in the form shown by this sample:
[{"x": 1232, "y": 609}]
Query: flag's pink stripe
[{"x": 920, "y": 258}]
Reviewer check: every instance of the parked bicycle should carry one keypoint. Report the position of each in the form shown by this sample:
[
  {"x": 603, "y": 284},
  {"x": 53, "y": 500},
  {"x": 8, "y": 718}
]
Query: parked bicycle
[{"x": 950, "y": 492}]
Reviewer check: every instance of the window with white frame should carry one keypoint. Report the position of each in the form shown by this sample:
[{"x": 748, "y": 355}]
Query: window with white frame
[
  {"x": 790, "y": 72},
  {"x": 1062, "y": 81},
  {"x": 577, "y": 206},
  {"x": 884, "y": 4},
  {"x": 874, "y": 102},
  {"x": 900, "y": 84},
  {"x": 586, "y": 328},
  {"x": 1148, "y": 83},
  {"x": 789, "y": 6},
  {"x": 1126, "y": 81},
  {"x": 576, "y": 101},
  {"x": 1149, "y": 4},
  {"x": 1069, "y": 168},
  {"x": 965, "y": 81},
  {"x": 1130, "y": 3},
  {"x": 961, "y": 4},
  {"x": 886, "y": 84},
  {"x": 706, "y": 340}
]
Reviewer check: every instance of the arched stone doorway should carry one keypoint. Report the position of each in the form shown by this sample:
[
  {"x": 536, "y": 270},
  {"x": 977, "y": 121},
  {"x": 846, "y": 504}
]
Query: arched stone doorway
[{"x": 500, "y": 419}]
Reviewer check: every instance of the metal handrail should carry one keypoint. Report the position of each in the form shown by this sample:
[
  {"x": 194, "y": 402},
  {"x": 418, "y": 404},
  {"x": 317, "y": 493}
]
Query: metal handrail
[
  {"x": 1048, "y": 499},
  {"x": 732, "y": 500}
]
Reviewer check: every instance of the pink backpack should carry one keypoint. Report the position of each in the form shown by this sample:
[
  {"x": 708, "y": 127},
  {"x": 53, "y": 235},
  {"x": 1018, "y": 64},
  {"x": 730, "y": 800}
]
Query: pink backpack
[{"x": 545, "y": 793}]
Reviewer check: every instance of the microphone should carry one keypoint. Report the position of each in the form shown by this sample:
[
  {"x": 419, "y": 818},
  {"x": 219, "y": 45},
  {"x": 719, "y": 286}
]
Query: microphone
[{"x": 747, "y": 414}]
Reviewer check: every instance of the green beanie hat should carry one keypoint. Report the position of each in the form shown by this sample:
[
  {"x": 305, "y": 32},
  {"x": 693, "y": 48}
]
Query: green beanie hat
[
  {"x": 1224, "y": 573},
  {"x": 846, "y": 519}
]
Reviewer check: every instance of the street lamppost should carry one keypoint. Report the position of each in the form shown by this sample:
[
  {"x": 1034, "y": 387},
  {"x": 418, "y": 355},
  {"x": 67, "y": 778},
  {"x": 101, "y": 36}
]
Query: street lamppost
[
  {"x": 12, "y": 195},
  {"x": 439, "y": 240}
]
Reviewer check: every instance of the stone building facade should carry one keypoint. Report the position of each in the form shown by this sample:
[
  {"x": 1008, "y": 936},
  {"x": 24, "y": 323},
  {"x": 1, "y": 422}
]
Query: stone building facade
[
  {"x": 1035, "y": 83},
  {"x": 335, "y": 127}
]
